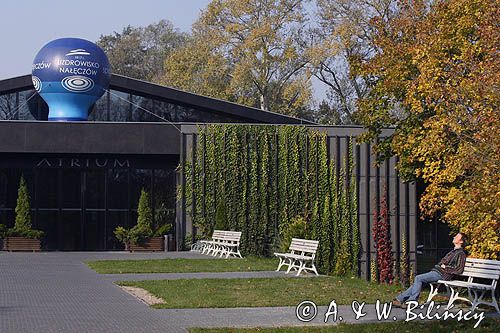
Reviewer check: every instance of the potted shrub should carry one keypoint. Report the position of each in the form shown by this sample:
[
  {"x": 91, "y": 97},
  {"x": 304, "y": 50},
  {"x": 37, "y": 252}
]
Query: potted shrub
[
  {"x": 141, "y": 236},
  {"x": 124, "y": 236},
  {"x": 164, "y": 220},
  {"x": 22, "y": 237}
]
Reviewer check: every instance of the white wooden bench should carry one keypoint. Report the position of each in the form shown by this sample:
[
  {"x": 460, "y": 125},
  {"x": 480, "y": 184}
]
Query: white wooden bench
[
  {"x": 302, "y": 252},
  {"x": 488, "y": 271},
  {"x": 229, "y": 244},
  {"x": 205, "y": 245},
  {"x": 222, "y": 243}
]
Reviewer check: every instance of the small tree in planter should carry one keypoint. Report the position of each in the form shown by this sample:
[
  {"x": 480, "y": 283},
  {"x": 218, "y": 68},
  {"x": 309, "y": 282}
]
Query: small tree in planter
[
  {"x": 144, "y": 228},
  {"x": 164, "y": 218},
  {"x": 137, "y": 237},
  {"x": 162, "y": 230},
  {"x": 22, "y": 231},
  {"x": 124, "y": 236}
]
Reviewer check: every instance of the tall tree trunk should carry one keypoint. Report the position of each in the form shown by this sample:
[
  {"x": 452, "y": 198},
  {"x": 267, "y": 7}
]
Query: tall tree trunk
[{"x": 264, "y": 102}]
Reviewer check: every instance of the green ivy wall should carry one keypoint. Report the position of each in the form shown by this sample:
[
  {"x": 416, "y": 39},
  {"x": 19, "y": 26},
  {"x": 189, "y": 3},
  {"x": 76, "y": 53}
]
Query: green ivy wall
[{"x": 261, "y": 176}]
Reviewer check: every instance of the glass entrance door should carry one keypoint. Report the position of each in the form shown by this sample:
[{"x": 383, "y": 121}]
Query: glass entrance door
[
  {"x": 94, "y": 224},
  {"x": 70, "y": 227},
  {"x": 71, "y": 208},
  {"x": 47, "y": 205}
]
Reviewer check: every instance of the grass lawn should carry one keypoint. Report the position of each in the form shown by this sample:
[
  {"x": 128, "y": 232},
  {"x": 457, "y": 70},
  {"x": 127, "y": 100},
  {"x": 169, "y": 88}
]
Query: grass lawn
[
  {"x": 487, "y": 325},
  {"x": 258, "y": 292},
  {"x": 183, "y": 265}
]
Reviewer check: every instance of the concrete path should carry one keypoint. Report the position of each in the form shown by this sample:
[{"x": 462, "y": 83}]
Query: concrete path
[{"x": 57, "y": 292}]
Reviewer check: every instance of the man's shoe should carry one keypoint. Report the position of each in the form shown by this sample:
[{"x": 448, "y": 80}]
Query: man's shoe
[{"x": 397, "y": 303}]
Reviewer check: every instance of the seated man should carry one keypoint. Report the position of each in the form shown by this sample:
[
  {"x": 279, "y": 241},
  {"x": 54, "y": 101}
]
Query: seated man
[{"x": 452, "y": 264}]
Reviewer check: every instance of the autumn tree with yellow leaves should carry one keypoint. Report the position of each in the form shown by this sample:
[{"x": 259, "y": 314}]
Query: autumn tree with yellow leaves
[
  {"x": 250, "y": 52},
  {"x": 436, "y": 79},
  {"x": 343, "y": 38}
]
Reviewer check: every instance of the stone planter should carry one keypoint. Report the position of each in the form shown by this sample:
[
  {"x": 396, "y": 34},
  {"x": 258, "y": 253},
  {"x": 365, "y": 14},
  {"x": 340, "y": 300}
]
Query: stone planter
[
  {"x": 21, "y": 244},
  {"x": 154, "y": 244}
]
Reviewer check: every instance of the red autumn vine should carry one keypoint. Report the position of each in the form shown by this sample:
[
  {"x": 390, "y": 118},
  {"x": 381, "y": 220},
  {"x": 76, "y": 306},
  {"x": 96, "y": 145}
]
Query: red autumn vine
[{"x": 382, "y": 242}]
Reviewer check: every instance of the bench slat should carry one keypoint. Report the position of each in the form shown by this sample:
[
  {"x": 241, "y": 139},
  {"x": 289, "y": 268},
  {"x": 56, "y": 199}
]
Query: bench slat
[
  {"x": 484, "y": 261},
  {"x": 482, "y": 276},
  {"x": 304, "y": 241},
  {"x": 467, "y": 284},
  {"x": 481, "y": 265},
  {"x": 299, "y": 249},
  {"x": 312, "y": 247},
  {"x": 480, "y": 270},
  {"x": 304, "y": 245}
]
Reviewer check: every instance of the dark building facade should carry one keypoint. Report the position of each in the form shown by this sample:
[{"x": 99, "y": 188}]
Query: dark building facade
[
  {"x": 79, "y": 196},
  {"x": 85, "y": 178}
]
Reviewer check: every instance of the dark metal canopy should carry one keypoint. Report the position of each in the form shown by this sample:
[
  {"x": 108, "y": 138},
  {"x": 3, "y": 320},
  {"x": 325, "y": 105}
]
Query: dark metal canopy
[{"x": 174, "y": 96}]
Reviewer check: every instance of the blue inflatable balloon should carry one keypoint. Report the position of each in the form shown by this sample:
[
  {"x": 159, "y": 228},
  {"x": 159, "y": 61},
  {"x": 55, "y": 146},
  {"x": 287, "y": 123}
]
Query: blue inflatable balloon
[{"x": 70, "y": 74}]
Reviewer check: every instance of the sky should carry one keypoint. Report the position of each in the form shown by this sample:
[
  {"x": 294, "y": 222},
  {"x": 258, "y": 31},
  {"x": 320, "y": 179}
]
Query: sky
[{"x": 27, "y": 25}]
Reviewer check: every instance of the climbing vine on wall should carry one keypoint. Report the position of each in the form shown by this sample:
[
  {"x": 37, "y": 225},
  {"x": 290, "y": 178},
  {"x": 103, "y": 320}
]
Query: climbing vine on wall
[
  {"x": 263, "y": 177},
  {"x": 382, "y": 243}
]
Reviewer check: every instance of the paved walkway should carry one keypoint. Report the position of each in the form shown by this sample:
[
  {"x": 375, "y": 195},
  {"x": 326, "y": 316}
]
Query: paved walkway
[{"x": 57, "y": 292}]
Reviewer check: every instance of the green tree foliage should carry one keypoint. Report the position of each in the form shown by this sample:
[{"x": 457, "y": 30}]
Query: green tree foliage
[
  {"x": 404, "y": 271},
  {"x": 143, "y": 230},
  {"x": 344, "y": 38},
  {"x": 327, "y": 114},
  {"x": 164, "y": 217},
  {"x": 140, "y": 52},
  {"x": 373, "y": 270},
  {"x": 272, "y": 179},
  {"x": 221, "y": 222},
  {"x": 250, "y": 52},
  {"x": 199, "y": 68},
  {"x": 3, "y": 231},
  {"x": 296, "y": 229},
  {"x": 22, "y": 224},
  {"x": 144, "y": 215},
  {"x": 436, "y": 81},
  {"x": 23, "y": 209},
  {"x": 346, "y": 230},
  {"x": 124, "y": 236}
]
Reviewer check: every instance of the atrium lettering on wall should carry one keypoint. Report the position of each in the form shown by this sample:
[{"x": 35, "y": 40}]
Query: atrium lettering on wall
[{"x": 83, "y": 163}]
